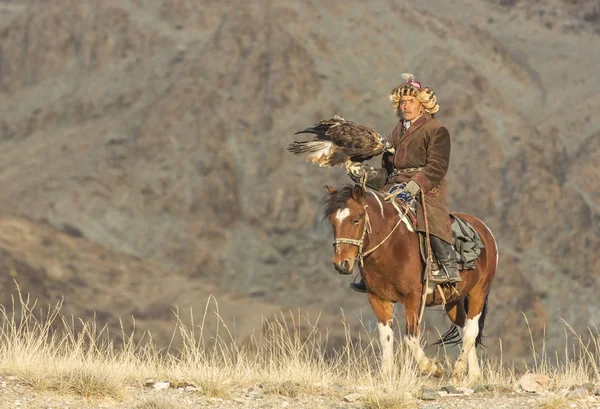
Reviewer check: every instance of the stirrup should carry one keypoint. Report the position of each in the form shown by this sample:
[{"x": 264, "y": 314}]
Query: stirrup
[
  {"x": 444, "y": 278},
  {"x": 359, "y": 287}
]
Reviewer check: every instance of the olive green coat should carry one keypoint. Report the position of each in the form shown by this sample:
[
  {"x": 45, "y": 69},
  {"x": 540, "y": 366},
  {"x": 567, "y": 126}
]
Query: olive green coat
[{"x": 425, "y": 147}]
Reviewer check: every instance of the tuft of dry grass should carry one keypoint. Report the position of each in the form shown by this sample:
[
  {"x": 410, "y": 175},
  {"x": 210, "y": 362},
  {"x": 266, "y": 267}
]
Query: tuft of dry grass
[
  {"x": 155, "y": 403},
  {"x": 49, "y": 359},
  {"x": 389, "y": 396},
  {"x": 390, "y": 402}
]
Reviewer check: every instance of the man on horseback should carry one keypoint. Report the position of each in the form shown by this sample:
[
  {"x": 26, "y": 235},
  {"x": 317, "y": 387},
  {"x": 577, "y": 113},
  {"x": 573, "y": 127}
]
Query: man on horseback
[{"x": 418, "y": 163}]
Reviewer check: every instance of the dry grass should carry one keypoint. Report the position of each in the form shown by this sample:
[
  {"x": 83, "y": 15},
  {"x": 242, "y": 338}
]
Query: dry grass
[
  {"x": 554, "y": 402},
  {"x": 290, "y": 358},
  {"x": 155, "y": 403},
  {"x": 389, "y": 396}
]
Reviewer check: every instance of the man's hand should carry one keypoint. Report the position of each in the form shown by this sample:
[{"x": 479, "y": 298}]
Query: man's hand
[
  {"x": 357, "y": 173},
  {"x": 413, "y": 188}
]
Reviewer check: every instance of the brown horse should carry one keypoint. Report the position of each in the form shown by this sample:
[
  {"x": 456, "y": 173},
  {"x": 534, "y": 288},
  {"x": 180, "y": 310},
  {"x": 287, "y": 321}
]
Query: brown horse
[{"x": 392, "y": 269}]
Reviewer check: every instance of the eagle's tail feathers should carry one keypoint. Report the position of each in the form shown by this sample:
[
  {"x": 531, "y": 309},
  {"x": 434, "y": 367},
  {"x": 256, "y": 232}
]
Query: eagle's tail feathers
[{"x": 318, "y": 151}]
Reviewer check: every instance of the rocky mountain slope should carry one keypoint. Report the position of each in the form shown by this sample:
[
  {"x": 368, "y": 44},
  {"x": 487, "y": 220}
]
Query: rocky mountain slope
[{"x": 155, "y": 132}]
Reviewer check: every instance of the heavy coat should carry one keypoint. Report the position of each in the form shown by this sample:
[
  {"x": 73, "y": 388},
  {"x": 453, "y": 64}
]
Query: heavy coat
[{"x": 424, "y": 148}]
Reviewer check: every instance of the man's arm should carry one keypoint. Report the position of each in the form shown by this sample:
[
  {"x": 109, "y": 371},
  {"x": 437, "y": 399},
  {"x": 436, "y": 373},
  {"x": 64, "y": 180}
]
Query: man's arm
[{"x": 438, "y": 160}]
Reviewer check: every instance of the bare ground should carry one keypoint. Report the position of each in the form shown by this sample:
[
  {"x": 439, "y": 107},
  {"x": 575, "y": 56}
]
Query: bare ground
[{"x": 15, "y": 394}]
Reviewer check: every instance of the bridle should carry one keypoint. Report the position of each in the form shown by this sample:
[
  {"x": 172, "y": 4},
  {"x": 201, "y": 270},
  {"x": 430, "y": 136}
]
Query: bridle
[
  {"x": 367, "y": 228},
  {"x": 357, "y": 243}
]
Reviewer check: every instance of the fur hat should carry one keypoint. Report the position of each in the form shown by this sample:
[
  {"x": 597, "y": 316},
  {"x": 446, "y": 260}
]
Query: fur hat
[{"x": 425, "y": 95}]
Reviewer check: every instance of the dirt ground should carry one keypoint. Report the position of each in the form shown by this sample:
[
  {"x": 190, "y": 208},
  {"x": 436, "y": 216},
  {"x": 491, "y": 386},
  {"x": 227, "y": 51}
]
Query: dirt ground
[{"x": 14, "y": 394}]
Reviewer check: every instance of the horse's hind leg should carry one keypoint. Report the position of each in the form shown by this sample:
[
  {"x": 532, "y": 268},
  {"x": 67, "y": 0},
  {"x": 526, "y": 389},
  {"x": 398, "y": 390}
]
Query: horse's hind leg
[
  {"x": 384, "y": 311},
  {"x": 468, "y": 353},
  {"x": 457, "y": 313}
]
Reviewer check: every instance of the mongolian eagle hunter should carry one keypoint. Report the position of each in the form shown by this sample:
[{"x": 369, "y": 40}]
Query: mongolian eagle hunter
[{"x": 339, "y": 142}]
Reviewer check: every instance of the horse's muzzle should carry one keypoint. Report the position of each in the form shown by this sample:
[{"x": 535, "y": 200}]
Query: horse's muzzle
[{"x": 344, "y": 267}]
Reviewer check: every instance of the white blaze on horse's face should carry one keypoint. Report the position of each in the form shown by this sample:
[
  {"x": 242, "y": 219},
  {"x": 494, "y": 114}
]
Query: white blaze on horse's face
[
  {"x": 347, "y": 231},
  {"x": 342, "y": 214}
]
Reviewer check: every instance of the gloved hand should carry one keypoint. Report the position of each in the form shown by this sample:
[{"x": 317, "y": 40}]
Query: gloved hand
[
  {"x": 357, "y": 173},
  {"x": 413, "y": 188}
]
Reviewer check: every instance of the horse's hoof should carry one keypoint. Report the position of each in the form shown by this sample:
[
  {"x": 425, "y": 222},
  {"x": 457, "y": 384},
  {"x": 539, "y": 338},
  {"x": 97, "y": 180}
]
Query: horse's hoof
[
  {"x": 473, "y": 379},
  {"x": 436, "y": 369},
  {"x": 459, "y": 372},
  {"x": 456, "y": 379}
]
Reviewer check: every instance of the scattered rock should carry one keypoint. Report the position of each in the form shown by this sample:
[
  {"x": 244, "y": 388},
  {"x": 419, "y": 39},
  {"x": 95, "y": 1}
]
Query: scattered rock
[
  {"x": 466, "y": 391},
  {"x": 353, "y": 397},
  {"x": 162, "y": 385},
  {"x": 254, "y": 392},
  {"x": 588, "y": 386},
  {"x": 480, "y": 388},
  {"x": 451, "y": 390},
  {"x": 429, "y": 394},
  {"x": 578, "y": 393},
  {"x": 534, "y": 383}
]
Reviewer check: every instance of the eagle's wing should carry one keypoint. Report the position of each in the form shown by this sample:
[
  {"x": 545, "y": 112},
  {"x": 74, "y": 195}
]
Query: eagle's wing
[{"x": 338, "y": 142}]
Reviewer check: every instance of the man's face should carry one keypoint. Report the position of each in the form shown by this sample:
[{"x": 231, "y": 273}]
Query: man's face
[{"x": 410, "y": 107}]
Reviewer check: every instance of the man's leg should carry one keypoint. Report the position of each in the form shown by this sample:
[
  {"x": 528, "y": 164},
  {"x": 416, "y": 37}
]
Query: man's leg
[
  {"x": 447, "y": 260},
  {"x": 360, "y": 286}
]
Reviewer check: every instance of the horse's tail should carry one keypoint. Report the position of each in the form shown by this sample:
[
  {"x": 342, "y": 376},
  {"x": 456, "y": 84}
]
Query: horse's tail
[{"x": 452, "y": 336}]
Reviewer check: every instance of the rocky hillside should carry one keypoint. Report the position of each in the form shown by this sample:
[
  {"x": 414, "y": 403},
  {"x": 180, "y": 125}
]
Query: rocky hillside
[{"x": 155, "y": 132}]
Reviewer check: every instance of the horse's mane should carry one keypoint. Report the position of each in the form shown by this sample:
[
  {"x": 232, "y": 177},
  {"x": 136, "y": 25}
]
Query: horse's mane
[{"x": 337, "y": 199}]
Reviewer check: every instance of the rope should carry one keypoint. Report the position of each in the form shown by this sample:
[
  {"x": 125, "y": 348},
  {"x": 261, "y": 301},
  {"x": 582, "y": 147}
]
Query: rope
[
  {"x": 402, "y": 216},
  {"x": 428, "y": 264},
  {"x": 439, "y": 287}
]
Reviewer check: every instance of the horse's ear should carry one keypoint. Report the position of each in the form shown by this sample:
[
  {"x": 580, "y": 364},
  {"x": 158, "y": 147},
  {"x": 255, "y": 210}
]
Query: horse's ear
[
  {"x": 329, "y": 189},
  {"x": 358, "y": 193}
]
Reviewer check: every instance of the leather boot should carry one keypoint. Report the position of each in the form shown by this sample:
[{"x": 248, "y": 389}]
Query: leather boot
[
  {"x": 359, "y": 287},
  {"x": 447, "y": 260}
]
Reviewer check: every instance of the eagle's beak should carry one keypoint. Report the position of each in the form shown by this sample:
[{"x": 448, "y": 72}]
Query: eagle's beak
[{"x": 387, "y": 146}]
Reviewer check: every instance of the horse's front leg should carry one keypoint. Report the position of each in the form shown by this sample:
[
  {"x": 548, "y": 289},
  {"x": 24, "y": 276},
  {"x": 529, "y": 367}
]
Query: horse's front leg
[
  {"x": 411, "y": 339},
  {"x": 384, "y": 311}
]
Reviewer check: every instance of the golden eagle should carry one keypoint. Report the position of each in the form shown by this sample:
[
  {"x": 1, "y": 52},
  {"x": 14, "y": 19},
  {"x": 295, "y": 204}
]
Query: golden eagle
[{"x": 339, "y": 142}]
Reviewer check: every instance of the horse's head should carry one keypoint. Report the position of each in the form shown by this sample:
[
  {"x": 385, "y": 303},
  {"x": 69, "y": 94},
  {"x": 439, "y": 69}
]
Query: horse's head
[{"x": 346, "y": 210}]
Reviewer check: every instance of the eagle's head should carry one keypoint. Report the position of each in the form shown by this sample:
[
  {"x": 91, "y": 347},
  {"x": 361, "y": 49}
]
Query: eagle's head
[{"x": 387, "y": 145}]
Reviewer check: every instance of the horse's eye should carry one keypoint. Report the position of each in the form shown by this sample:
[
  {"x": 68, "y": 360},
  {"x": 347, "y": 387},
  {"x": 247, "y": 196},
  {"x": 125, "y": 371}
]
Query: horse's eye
[{"x": 356, "y": 221}]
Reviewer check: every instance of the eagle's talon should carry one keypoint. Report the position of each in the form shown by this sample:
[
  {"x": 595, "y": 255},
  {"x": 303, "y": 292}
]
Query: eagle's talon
[{"x": 353, "y": 168}]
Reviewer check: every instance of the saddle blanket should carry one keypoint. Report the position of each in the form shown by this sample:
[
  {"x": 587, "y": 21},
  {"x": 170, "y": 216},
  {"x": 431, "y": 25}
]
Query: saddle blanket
[{"x": 465, "y": 240}]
